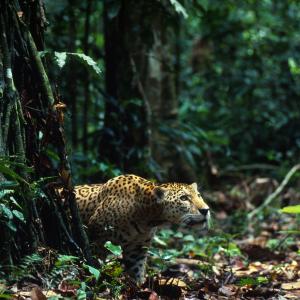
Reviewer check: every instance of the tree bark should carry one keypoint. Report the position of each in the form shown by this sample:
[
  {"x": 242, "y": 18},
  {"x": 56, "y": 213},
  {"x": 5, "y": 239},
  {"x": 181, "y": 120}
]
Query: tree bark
[
  {"x": 31, "y": 120},
  {"x": 140, "y": 48},
  {"x": 125, "y": 138}
]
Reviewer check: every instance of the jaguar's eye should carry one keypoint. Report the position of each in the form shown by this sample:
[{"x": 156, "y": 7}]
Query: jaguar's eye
[{"x": 185, "y": 198}]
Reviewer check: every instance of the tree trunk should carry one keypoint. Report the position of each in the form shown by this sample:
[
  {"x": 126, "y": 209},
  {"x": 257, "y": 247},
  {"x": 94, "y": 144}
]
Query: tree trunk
[
  {"x": 31, "y": 123},
  {"x": 125, "y": 139},
  {"x": 140, "y": 49},
  {"x": 162, "y": 88}
]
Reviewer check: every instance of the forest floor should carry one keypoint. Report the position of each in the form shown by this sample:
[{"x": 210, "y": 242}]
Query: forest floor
[{"x": 237, "y": 259}]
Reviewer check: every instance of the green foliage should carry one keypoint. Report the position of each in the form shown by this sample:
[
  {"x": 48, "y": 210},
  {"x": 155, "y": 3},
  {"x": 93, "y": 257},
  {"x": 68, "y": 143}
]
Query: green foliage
[
  {"x": 169, "y": 245},
  {"x": 61, "y": 59},
  {"x": 95, "y": 272},
  {"x": 7, "y": 168},
  {"x": 4, "y": 294},
  {"x": 179, "y": 8},
  {"x": 240, "y": 80},
  {"x": 10, "y": 210},
  {"x": 63, "y": 260},
  {"x": 81, "y": 292},
  {"x": 86, "y": 167},
  {"x": 249, "y": 281},
  {"x": 26, "y": 268},
  {"x": 295, "y": 209},
  {"x": 114, "y": 249},
  {"x": 14, "y": 191}
]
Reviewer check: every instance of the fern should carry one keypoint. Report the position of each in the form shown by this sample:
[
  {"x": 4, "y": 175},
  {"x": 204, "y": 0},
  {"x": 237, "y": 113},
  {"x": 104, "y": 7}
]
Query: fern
[{"x": 27, "y": 267}]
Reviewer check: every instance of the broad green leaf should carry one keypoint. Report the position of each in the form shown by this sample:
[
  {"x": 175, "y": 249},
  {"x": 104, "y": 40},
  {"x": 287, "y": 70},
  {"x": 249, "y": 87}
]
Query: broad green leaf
[
  {"x": 87, "y": 60},
  {"x": 61, "y": 58},
  {"x": 178, "y": 235},
  {"x": 81, "y": 295},
  {"x": 13, "y": 200},
  {"x": 4, "y": 169},
  {"x": 179, "y": 8},
  {"x": 247, "y": 281},
  {"x": 189, "y": 238},
  {"x": 8, "y": 184},
  {"x": 18, "y": 215},
  {"x": 11, "y": 225},
  {"x": 44, "y": 53},
  {"x": 114, "y": 249},
  {"x": 159, "y": 241},
  {"x": 93, "y": 271},
  {"x": 65, "y": 259},
  {"x": 295, "y": 209},
  {"x": 253, "y": 281},
  {"x": 262, "y": 279},
  {"x": 5, "y": 192},
  {"x": 6, "y": 211}
]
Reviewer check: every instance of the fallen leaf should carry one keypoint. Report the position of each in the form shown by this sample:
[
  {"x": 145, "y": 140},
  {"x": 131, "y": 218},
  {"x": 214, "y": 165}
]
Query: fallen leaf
[
  {"x": 172, "y": 281},
  {"x": 228, "y": 290},
  {"x": 292, "y": 295},
  {"x": 67, "y": 288},
  {"x": 37, "y": 294},
  {"x": 291, "y": 285}
]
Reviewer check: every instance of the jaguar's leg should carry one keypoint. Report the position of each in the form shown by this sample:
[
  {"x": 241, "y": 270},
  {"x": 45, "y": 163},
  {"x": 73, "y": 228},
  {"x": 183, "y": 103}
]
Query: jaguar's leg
[{"x": 134, "y": 258}]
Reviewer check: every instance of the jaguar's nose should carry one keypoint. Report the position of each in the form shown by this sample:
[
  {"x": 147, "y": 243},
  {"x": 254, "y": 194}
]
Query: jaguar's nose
[{"x": 204, "y": 211}]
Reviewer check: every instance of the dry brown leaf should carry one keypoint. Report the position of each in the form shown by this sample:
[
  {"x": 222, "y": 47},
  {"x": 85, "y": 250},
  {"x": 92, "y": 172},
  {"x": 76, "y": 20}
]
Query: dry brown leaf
[
  {"x": 292, "y": 295},
  {"x": 172, "y": 281},
  {"x": 37, "y": 294},
  {"x": 228, "y": 290},
  {"x": 291, "y": 285},
  {"x": 66, "y": 287},
  {"x": 256, "y": 267}
]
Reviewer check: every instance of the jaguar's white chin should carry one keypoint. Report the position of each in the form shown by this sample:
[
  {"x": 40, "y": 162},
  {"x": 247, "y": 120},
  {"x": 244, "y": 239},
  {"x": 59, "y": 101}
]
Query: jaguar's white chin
[{"x": 197, "y": 220}]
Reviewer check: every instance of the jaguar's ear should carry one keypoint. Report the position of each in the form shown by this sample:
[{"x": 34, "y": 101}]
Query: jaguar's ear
[
  {"x": 159, "y": 193},
  {"x": 194, "y": 186}
]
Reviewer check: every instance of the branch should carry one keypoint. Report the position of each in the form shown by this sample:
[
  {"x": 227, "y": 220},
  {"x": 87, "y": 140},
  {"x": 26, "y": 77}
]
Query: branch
[
  {"x": 276, "y": 193},
  {"x": 41, "y": 71}
]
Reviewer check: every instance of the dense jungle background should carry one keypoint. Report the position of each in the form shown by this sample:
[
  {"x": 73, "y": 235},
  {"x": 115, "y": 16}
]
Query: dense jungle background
[{"x": 171, "y": 90}]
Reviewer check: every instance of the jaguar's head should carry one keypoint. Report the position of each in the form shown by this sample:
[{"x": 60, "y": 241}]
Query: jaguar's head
[{"x": 182, "y": 204}]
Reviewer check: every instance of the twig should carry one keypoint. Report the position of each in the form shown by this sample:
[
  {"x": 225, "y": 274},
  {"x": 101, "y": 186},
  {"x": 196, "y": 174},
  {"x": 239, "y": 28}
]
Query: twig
[
  {"x": 276, "y": 193},
  {"x": 190, "y": 261}
]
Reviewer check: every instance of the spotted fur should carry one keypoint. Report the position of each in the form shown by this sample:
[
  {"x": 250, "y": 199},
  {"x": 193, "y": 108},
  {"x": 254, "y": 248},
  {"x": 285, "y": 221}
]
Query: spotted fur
[{"x": 127, "y": 209}]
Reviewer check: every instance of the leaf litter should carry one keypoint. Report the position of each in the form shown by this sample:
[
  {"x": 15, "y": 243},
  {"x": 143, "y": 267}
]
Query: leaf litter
[{"x": 259, "y": 260}]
